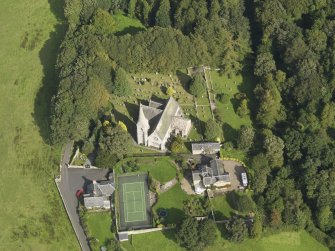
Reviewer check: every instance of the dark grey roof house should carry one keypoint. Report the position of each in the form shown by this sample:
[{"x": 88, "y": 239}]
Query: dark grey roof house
[
  {"x": 205, "y": 148},
  {"x": 98, "y": 194},
  {"x": 212, "y": 175}
]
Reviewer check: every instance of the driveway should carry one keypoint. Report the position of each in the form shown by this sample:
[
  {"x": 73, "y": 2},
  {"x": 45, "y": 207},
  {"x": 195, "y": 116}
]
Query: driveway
[
  {"x": 71, "y": 180},
  {"x": 235, "y": 169}
]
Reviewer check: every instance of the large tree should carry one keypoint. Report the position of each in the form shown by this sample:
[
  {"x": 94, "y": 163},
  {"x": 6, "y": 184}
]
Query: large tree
[
  {"x": 198, "y": 85},
  {"x": 213, "y": 130},
  {"x": 121, "y": 86},
  {"x": 163, "y": 14}
]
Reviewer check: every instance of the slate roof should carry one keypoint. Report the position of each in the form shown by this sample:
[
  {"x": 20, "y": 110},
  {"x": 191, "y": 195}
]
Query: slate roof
[
  {"x": 165, "y": 120},
  {"x": 209, "y": 147},
  {"x": 180, "y": 123},
  {"x": 96, "y": 202},
  {"x": 123, "y": 236},
  {"x": 101, "y": 188},
  {"x": 217, "y": 167}
]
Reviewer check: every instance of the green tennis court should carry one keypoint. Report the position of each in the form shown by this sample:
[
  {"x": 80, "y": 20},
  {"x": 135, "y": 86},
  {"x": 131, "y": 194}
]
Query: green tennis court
[
  {"x": 135, "y": 209},
  {"x": 133, "y": 204}
]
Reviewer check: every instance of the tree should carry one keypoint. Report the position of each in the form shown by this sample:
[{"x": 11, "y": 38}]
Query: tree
[
  {"x": 246, "y": 137},
  {"x": 113, "y": 245},
  {"x": 257, "y": 226},
  {"x": 198, "y": 85},
  {"x": 212, "y": 130},
  {"x": 105, "y": 159},
  {"x": 207, "y": 232},
  {"x": 243, "y": 110},
  {"x": 121, "y": 86},
  {"x": 115, "y": 140},
  {"x": 131, "y": 8},
  {"x": 274, "y": 147},
  {"x": 187, "y": 234},
  {"x": 224, "y": 98},
  {"x": 163, "y": 14},
  {"x": 170, "y": 91},
  {"x": 237, "y": 229},
  {"x": 103, "y": 22},
  {"x": 122, "y": 125},
  {"x": 177, "y": 144}
]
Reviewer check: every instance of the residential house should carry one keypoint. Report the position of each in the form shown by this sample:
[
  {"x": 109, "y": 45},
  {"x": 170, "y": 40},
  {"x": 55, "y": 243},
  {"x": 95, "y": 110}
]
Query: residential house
[
  {"x": 212, "y": 175},
  {"x": 205, "y": 148},
  {"x": 98, "y": 194}
]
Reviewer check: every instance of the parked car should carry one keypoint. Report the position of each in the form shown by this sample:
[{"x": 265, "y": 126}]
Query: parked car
[{"x": 79, "y": 193}]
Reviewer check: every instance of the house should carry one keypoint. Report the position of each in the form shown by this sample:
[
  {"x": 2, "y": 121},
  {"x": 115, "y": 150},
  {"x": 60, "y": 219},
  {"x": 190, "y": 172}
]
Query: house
[
  {"x": 212, "y": 175},
  {"x": 98, "y": 194},
  {"x": 157, "y": 122},
  {"x": 205, "y": 148}
]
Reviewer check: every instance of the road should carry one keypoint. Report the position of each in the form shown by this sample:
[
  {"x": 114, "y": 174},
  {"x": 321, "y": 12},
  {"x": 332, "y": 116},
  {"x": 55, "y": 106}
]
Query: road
[{"x": 71, "y": 180}]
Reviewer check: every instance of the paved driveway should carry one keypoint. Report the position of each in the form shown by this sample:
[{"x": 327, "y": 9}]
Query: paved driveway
[
  {"x": 73, "y": 179},
  {"x": 235, "y": 169}
]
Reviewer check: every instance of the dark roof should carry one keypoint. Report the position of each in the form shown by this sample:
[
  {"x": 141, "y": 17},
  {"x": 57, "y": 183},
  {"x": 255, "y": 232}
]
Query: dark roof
[
  {"x": 96, "y": 202},
  {"x": 210, "y": 147},
  {"x": 196, "y": 176},
  {"x": 123, "y": 236},
  {"x": 217, "y": 167},
  {"x": 101, "y": 188}
]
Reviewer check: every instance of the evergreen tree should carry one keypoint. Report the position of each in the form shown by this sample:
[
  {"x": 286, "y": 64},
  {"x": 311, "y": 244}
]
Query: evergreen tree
[
  {"x": 163, "y": 14},
  {"x": 121, "y": 86},
  {"x": 198, "y": 85}
]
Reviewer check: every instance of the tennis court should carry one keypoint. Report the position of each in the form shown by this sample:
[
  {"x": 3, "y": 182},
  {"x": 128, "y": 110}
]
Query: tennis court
[
  {"x": 133, "y": 208},
  {"x": 134, "y": 202}
]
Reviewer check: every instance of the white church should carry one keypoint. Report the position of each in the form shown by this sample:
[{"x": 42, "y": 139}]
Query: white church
[{"x": 157, "y": 122}]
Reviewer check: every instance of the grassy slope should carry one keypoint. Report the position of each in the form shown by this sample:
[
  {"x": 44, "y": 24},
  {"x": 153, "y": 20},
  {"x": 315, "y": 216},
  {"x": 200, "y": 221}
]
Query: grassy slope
[{"x": 29, "y": 199}]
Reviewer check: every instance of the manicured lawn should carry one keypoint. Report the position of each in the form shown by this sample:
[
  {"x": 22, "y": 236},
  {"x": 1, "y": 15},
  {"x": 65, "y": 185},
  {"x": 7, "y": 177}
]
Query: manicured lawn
[
  {"x": 30, "y": 32},
  {"x": 221, "y": 207},
  {"x": 126, "y": 24},
  {"x": 233, "y": 153},
  {"x": 162, "y": 240},
  {"x": 172, "y": 201},
  {"x": 99, "y": 226},
  {"x": 161, "y": 169}
]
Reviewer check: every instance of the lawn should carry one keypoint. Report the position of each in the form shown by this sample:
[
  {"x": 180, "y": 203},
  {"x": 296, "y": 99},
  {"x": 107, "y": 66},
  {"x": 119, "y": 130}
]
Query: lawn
[
  {"x": 99, "y": 226},
  {"x": 160, "y": 168},
  {"x": 172, "y": 201},
  {"x": 31, "y": 214},
  {"x": 285, "y": 241},
  {"x": 221, "y": 207},
  {"x": 164, "y": 241},
  {"x": 126, "y": 24}
]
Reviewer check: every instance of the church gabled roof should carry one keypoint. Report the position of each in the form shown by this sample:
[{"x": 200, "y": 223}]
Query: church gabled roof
[
  {"x": 165, "y": 120},
  {"x": 142, "y": 118}
]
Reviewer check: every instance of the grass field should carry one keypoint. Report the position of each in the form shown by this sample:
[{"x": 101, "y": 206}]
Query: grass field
[
  {"x": 99, "y": 226},
  {"x": 285, "y": 241},
  {"x": 221, "y": 207},
  {"x": 172, "y": 201},
  {"x": 31, "y": 213}
]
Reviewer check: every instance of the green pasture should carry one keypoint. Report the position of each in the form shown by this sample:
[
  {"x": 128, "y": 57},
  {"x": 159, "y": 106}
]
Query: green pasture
[{"x": 31, "y": 214}]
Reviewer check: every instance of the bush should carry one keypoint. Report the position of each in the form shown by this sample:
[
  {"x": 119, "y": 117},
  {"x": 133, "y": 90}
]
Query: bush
[{"x": 223, "y": 98}]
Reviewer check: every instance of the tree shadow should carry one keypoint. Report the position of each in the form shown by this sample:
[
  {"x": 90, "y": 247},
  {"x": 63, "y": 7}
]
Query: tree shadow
[
  {"x": 174, "y": 215},
  {"x": 198, "y": 124},
  {"x": 184, "y": 79},
  {"x": 230, "y": 134},
  {"x": 50, "y": 81},
  {"x": 132, "y": 30},
  {"x": 131, "y": 126},
  {"x": 132, "y": 110}
]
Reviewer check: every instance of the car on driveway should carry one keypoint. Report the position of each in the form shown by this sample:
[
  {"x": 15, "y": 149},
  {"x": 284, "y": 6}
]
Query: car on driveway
[{"x": 79, "y": 193}]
